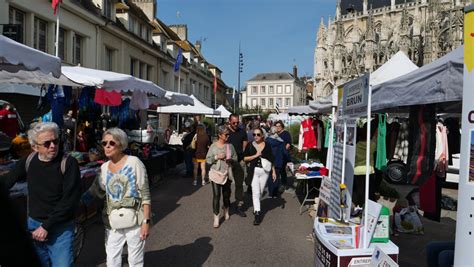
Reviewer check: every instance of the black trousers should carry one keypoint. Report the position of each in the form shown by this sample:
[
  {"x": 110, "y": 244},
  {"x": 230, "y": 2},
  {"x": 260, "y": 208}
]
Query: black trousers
[{"x": 216, "y": 195}]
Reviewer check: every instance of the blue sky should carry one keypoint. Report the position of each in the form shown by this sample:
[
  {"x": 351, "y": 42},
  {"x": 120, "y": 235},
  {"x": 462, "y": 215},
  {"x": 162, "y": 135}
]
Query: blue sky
[{"x": 274, "y": 34}]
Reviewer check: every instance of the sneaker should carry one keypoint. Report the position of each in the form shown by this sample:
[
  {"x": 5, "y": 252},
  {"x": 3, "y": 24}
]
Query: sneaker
[
  {"x": 195, "y": 183},
  {"x": 241, "y": 212},
  {"x": 258, "y": 218}
]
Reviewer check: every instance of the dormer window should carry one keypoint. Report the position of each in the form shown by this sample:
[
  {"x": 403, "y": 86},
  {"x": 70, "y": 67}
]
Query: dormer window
[{"x": 107, "y": 6}]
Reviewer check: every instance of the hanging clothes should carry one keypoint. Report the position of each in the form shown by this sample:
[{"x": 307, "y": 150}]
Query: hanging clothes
[
  {"x": 430, "y": 197},
  {"x": 393, "y": 130},
  {"x": 441, "y": 151},
  {"x": 327, "y": 133},
  {"x": 57, "y": 99},
  {"x": 454, "y": 137},
  {"x": 320, "y": 133},
  {"x": 139, "y": 100},
  {"x": 401, "y": 149},
  {"x": 9, "y": 122},
  {"x": 307, "y": 138},
  {"x": 107, "y": 98},
  {"x": 422, "y": 142},
  {"x": 381, "y": 160}
]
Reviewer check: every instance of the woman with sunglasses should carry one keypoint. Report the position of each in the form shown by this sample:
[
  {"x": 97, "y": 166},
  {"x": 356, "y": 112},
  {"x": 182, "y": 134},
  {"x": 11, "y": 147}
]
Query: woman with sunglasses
[
  {"x": 220, "y": 160},
  {"x": 260, "y": 159},
  {"x": 123, "y": 182}
]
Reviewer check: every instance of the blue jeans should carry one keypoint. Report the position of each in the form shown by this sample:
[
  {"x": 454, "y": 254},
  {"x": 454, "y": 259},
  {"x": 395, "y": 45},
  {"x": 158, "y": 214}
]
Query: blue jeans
[
  {"x": 274, "y": 186},
  {"x": 57, "y": 250},
  {"x": 188, "y": 161}
]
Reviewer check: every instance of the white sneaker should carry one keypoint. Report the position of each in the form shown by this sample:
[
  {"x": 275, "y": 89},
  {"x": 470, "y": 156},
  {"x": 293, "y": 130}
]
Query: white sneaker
[{"x": 195, "y": 183}]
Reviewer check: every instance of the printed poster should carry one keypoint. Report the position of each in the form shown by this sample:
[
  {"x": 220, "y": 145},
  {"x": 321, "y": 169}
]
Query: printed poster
[
  {"x": 336, "y": 175},
  {"x": 355, "y": 97}
]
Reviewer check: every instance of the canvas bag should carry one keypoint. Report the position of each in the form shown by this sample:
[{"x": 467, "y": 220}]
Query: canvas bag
[
  {"x": 126, "y": 215},
  {"x": 193, "y": 142},
  {"x": 219, "y": 177}
]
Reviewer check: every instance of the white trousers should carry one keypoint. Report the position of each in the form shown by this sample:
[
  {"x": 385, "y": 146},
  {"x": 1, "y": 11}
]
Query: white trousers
[
  {"x": 259, "y": 181},
  {"x": 114, "y": 241}
]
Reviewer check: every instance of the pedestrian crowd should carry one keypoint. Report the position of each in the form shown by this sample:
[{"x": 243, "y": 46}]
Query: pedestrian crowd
[{"x": 254, "y": 155}]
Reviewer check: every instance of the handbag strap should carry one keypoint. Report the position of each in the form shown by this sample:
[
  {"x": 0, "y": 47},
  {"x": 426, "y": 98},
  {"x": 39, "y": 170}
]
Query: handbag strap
[{"x": 227, "y": 155}]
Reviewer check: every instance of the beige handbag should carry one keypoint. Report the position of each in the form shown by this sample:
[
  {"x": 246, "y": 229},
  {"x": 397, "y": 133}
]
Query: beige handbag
[
  {"x": 123, "y": 218},
  {"x": 219, "y": 177}
]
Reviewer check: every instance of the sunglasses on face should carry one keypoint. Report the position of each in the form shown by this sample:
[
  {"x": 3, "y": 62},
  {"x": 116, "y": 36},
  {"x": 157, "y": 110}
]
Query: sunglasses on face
[
  {"x": 111, "y": 143},
  {"x": 257, "y": 134},
  {"x": 234, "y": 123},
  {"x": 48, "y": 143}
]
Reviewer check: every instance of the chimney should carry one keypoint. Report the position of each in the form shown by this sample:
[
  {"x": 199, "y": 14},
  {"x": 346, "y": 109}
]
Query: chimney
[
  {"x": 295, "y": 72},
  {"x": 198, "y": 46},
  {"x": 181, "y": 30}
]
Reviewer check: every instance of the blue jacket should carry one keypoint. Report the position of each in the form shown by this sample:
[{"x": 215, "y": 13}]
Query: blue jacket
[{"x": 278, "y": 149}]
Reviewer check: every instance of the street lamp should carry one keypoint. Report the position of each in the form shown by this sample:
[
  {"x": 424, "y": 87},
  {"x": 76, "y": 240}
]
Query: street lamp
[{"x": 241, "y": 68}]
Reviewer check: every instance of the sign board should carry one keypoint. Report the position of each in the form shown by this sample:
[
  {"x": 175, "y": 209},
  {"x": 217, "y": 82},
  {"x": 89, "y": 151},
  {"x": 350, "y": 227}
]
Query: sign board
[
  {"x": 355, "y": 97},
  {"x": 340, "y": 162},
  {"x": 463, "y": 255},
  {"x": 380, "y": 259},
  {"x": 324, "y": 197}
]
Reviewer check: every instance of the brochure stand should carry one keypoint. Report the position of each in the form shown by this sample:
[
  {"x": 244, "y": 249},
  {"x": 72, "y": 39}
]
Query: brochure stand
[{"x": 328, "y": 255}]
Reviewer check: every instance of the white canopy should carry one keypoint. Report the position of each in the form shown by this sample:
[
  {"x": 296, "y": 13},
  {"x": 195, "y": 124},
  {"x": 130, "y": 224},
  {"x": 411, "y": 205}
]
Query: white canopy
[
  {"x": 224, "y": 113},
  {"x": 197, "y": 108},
  {"x": 111, "y": 80},
  {"x": 24, "y": 89},
  {"x": 322, "y": 105},
  {"x": 398, "y": 65},
  {"x": 301, "y": 110},
  {"x": 15, "y": 57},
  {"x": 172, "y": 98}
]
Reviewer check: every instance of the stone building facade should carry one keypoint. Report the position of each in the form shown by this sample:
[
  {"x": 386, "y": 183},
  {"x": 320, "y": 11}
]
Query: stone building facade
[{"x": 365, "y": 34}]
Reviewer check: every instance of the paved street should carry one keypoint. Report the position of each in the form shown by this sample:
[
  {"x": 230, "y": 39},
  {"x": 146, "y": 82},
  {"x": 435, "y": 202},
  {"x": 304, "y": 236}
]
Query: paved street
[{"x": 182, "y": 234}]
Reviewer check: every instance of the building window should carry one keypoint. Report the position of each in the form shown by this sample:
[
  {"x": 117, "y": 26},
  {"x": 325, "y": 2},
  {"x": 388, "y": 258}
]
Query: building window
[
  {"x": 107, "y": 8},
  {"x": 279, "y": 89},
  {"x": 133, "y": 65},
  {"x": 109, "y": 59},
  {"x": 17, "y": 17},
  {"x": 271, "y": 89},
  {"x": 62, "y": 44},
  {"x": 77, "y": 55},
  {"x": 287, "y": 89},
  {"x": 278, "y": 102},
  {"x": 254, "y": 102},
  {"x": 262, "y": 90},
  {"x": 270, "y": 102},
  {"x": 287, "y": 101},
  {"x": 39, "y": 41},
  {"x": 254, "y": 90},
  {"x": 262, "y": 102},
  {"x": 131, "y": 24},
  {"x": 149, "y": 73}
]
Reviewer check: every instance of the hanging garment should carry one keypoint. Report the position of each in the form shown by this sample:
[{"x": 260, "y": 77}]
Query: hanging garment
[
  {"x": 139, "y": 100},
  {"x": 57, "y": 99},
  {"x": 454, "y": 137},
  {"x": 327, "y": 133},
  {"x": 441, "y": 151},
  {"x": 401, "y": 149},
  {"x": 422, "y": 140},
  {"x": 9, "y": 123},
  {"x": 392, "y": 133},
  {"x": 430, "y": 198},
  {"x": 307, "y": 139},
  {"x": 315, "y": 129},
  {"x": 381, "y": 160},
  {"x": 107, "y": 98},
  {"x": 319, "y": 136}
]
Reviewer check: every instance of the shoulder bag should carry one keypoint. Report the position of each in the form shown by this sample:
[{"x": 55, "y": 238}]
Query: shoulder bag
[{"x": 219, "y": 177}]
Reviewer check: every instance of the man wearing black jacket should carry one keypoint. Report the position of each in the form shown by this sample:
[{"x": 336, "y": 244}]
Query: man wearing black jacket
[{"x": 53, "y": 195}]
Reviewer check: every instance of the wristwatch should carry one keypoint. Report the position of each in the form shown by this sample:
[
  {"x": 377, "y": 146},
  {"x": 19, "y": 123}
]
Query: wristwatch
[{"x": 146, "y": 221}]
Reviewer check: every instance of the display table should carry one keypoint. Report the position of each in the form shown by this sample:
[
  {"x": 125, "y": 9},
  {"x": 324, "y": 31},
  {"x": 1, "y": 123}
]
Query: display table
[
  {"x": 326, "y": 254},
  {"x": 305, "y": 179}
]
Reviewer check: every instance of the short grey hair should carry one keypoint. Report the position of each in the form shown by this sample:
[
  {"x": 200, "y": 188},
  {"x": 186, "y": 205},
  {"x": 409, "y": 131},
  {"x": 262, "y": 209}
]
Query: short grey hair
[
  {"x": 222, "y": 129},
  {"x": 39, "y": 128},
  {"x": 118, "y": 135}
]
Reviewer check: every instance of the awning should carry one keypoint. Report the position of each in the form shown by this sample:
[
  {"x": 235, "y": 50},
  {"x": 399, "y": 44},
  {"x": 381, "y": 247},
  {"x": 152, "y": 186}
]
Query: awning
[
  {"x": 440, "y": 81},
  {"x": 322, "y": 105},
  {"x": 172, "y": 98},
  {"x": 111, "y": 81},
  {"x": 15, "y": 57},
  {"x": 301, "y": 110},
  {"x": 224, "y": 113},
  {"x": 197, "y": 108}
]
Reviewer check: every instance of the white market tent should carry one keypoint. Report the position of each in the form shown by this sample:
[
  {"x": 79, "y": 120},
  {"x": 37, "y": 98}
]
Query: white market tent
[
  {"x": 322, "y": 105},
  {"x": 22, "y": 64},
  {"x": 172, "y": 98},
  {"x": 440, "y": 81},
  {"x": 224, "y": 113},
  {"x": 197, "y": 108},
  {"x": 111, "y": 81},
  {"x": 301, "y": 110}
]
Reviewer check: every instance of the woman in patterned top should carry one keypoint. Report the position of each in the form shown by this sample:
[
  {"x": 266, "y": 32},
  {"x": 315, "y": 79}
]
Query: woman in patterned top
[{"x": 124, "y": 184}]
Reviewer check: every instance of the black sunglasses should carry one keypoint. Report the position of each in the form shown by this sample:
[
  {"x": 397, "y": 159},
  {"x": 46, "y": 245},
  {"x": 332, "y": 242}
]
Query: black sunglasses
[
  {"x": 111, "y": 143},
  {"x": 235, "y": 123},
  {"x": 257, "y": 134},
  {"x": 48, "y": 143}
]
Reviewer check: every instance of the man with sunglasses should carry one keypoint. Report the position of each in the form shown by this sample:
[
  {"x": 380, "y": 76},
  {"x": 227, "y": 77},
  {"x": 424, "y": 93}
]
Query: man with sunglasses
[
  {"x": 53, "y": 194},
  {"x": 238, "y": 138}
]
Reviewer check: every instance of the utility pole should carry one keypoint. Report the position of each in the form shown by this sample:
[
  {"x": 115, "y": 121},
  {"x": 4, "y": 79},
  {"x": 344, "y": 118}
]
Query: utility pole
[{"x": 241, "y": 67}]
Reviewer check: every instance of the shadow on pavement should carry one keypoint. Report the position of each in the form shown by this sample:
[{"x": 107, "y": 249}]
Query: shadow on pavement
[{"x": 194, "y": 254}]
